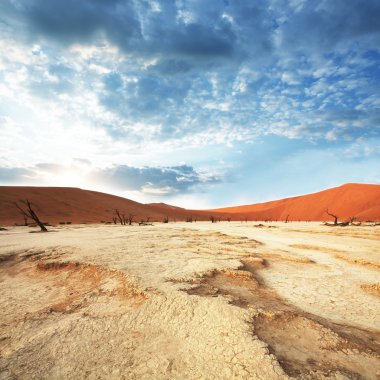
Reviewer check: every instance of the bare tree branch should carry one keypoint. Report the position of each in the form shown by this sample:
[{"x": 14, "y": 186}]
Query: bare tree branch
[
  {"x": 30, "y": 213},
  {"x": 130, "y": 219},
  {"x": 119, "y": 216},
  {"x": 334, "y": 216}
]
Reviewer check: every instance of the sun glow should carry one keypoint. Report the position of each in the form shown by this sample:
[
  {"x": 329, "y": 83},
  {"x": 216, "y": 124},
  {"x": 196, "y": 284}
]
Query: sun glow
[{"x": 71, "y": 176}]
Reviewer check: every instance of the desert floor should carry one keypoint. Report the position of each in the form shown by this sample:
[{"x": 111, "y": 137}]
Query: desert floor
[{"x": 190, "y": 301}]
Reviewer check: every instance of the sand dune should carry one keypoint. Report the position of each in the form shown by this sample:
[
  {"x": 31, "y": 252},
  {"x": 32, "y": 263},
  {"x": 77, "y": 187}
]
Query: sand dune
[
  {"x": 61, "y": 204},
  {"x": 352, "y": 199}
]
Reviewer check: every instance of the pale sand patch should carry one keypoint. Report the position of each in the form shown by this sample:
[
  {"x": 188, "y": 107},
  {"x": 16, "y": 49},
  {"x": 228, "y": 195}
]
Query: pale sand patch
[{"x": 350, "y": 257}]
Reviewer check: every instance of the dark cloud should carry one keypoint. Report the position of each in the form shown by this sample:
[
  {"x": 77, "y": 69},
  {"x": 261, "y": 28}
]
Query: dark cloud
[
  {"x": 198, "y": 31},
  {"x": 72, "y": 21},
  {"x": 160, "y": 180},
  {"x": 14, "y": 175},
  {"x": 320, "y": 26},
  {"x": 151, "y": 180},
  {"x": 171, "y": 67}
]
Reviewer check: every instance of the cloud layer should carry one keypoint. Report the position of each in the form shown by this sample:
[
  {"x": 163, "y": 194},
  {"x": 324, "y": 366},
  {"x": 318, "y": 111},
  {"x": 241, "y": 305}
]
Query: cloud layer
[
  {"x": 161, "y": 181},
  {"x": 105, "y": 77}
]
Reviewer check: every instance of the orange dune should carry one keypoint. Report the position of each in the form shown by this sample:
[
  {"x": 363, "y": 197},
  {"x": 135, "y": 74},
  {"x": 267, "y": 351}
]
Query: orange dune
[
  {"x": 65, "y": 204},
  {"x": 359, "y": 200}
]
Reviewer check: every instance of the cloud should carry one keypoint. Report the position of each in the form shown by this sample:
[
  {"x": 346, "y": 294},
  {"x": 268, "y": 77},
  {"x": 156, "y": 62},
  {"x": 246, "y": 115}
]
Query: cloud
[
  {"x": 155, "y": 180},
  {"x": 72, "y": 21},
  {"x": 171, "y": 74},
  {"x": 321, "y": 26},
  {"x": 81, "y": 161},
  {"x": 133, "y": 27},
  {"x": 15, "y": 175},
  {"x": 147, "y": 180}
]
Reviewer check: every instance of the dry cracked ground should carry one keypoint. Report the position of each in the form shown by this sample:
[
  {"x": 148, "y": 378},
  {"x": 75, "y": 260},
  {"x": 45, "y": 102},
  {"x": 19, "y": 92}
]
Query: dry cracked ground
[{"x": 190, "y": 301}]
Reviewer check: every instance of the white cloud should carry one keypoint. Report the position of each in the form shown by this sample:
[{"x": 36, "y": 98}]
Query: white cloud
[
  {"x": 289, "y": 78},
  {"x": 150, "y": 189}
]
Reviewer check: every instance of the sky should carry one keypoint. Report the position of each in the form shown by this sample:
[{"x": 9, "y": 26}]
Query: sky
[{"x": 196, "y": 103}]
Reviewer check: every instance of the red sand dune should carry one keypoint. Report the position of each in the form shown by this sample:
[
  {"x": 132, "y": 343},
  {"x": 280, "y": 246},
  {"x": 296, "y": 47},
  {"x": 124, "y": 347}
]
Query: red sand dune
[
  {"x": 63, "y": 204},
  {"x": 352, "y": 199}
]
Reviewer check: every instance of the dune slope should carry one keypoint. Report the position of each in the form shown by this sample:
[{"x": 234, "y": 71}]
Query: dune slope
[
  {"x": 62, "y": 204},
  {"x": 359, "y": 200}
]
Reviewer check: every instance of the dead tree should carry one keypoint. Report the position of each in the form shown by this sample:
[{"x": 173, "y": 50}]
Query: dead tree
[
  {"x": 334, "y": 216},
  {"x": 166, "y": 219},
  {"x": 130, "y": 219},
  {"x": 336, "y": 223},
  {"x": 352, "y": 220},
  {"x": 287, "y": 218},
  {"x": 30, "y": 213},
  {"x": 145, "y": 223},
  {"x": 213, "y": 220},
  {"x": 228, "y": 219},
  {"x": 114, "y": 220},
  {"x": 119, "y": 216}
]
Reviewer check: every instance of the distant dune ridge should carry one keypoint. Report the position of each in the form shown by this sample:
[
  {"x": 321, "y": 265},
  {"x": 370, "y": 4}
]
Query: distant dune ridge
[
  {"x": 351, "y": 199},
  {"x": 66, "y": 204}
]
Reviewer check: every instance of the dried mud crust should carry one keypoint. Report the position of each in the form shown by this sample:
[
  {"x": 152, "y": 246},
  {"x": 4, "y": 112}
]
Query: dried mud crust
[
  {"x": 67, "y": 286},
  {"x": 102, "y": 280},
  {"x": 102, "y": 306},
  {"x": 75, "y": 328},
  {"x": 306, "y": 346}
]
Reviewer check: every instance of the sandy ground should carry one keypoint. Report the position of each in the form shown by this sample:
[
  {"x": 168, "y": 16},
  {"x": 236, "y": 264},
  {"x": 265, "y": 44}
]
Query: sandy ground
[{"x": 190, "y": 301}]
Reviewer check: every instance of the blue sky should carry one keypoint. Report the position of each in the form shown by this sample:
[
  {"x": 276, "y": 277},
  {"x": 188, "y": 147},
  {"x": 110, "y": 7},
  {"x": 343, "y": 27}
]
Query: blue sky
[{"x": 195, "y": 103}]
